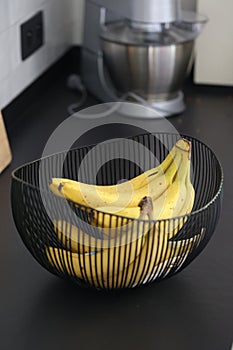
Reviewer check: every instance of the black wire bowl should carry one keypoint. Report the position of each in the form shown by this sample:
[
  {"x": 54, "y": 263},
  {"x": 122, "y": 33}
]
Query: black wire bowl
[{"x": 35, "y": 208}]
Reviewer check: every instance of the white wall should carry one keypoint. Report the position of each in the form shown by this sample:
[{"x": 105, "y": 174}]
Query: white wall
[
  {"x": 63, "y": 27},
  {"x": 214, "y": 59}
]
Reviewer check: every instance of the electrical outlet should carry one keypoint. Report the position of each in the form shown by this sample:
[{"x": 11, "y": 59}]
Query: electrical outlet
[{"x": 32, "y": 35}]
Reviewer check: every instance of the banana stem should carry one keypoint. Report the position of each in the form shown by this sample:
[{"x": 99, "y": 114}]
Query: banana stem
[{"x": 146, "y": 206}]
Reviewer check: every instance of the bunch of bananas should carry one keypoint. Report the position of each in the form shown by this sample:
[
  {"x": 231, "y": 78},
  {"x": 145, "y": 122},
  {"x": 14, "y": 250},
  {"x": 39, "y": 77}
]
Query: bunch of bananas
[{"x": 136, "y": 245}]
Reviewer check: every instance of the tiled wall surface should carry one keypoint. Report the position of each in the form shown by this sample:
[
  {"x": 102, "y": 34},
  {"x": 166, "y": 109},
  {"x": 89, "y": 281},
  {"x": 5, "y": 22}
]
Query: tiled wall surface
[{"x": 63, "y": 27}]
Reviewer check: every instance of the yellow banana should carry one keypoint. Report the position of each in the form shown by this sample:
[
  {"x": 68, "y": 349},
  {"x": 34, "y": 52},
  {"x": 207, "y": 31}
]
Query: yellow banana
[
  {"x": 157, "y": 248},
  {"x": 126, "y": 194},
  {"x": 80, "y": 242},
  {"x": 94, "y": 196},
  {"x": 186, "y": 207},
  {"x": 75, "y": 239},
  {"x": 144, "y": 258},
  {"x": 102, "y": 219},
  {"x": 103, "y": 262},
  {"x": 155, "y": 260},
  {"x": 167, "y": 205},
  {"x": 157, "y": 257},
  {"x": 135, "y": 183},
  {"x": 179, "y": 249},
  {"x": 157, "y": 241}
]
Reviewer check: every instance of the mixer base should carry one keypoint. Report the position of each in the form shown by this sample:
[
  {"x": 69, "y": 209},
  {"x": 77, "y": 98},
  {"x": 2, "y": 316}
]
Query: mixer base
[
  {"x": 170, "y": 107},
  {"x": 158, "y": 109}
]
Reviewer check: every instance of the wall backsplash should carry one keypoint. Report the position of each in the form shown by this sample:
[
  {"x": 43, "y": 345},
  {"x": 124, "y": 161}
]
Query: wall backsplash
[{"x": 62, "y": 27}]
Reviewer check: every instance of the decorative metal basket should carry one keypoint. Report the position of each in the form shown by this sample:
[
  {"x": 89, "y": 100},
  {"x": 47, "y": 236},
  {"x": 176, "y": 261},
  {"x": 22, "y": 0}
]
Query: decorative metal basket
[{"x": 120, "y": 265}]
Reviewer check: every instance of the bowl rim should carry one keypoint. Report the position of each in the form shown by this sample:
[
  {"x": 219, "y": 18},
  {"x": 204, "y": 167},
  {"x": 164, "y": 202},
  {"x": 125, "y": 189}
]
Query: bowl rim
[
  {"x": 108, "y": 26},
  {"x": 84, "y": 207}
]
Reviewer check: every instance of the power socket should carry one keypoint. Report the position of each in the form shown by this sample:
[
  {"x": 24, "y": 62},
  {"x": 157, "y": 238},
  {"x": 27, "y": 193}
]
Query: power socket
[{"x": 32, "y": 35}]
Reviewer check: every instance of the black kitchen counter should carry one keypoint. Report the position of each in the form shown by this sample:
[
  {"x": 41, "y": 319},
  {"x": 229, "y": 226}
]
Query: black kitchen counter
[{"x": 192, "y": 310}]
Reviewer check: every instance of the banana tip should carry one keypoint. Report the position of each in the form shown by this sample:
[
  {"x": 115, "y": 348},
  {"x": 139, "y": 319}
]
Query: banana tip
[
  {"x": 185, "y": 145},
  {"x": 189, "y": 147}
]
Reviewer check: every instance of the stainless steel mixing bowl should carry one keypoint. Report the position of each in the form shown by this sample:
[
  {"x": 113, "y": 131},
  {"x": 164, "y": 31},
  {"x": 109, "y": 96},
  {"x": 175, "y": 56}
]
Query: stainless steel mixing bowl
[{"x": 154, "y": 65}]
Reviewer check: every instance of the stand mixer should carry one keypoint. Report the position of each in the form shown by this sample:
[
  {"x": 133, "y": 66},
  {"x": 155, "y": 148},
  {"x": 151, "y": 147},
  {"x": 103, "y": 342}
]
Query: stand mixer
[{"x": 139, "y": 51}]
